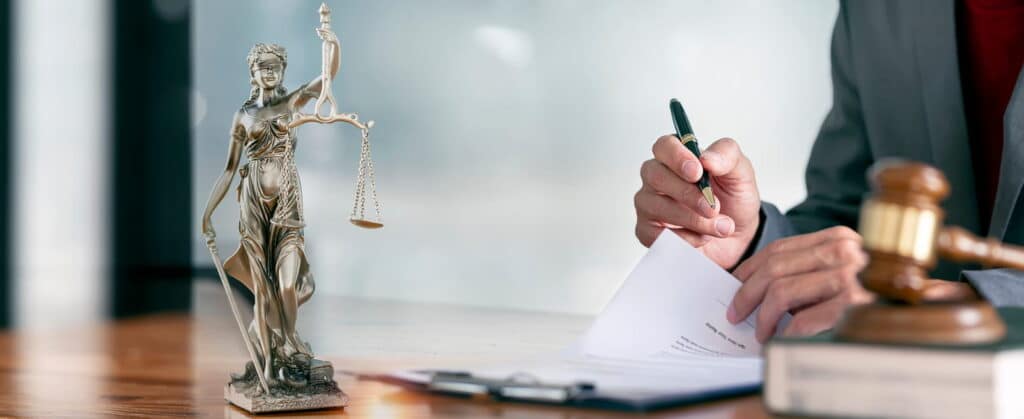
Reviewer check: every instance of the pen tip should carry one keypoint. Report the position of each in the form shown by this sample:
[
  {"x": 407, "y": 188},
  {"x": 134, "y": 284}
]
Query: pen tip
[{"x": 709, "y": 196}]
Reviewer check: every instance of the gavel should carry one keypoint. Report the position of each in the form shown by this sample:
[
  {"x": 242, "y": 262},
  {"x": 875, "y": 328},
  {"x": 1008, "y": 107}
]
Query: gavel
[{"x": 901, "y": 224}]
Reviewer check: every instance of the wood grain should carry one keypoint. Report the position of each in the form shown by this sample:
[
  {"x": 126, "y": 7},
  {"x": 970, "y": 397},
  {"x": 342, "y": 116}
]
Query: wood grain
[{"x": 175, "y": 365}]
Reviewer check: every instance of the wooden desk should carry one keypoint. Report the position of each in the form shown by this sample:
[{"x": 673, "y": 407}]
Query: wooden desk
[{"x": 176, "y": 365}]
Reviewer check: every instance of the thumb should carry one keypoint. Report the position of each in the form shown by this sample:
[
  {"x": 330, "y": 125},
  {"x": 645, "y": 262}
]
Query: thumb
[
  {"x": 724, "y": 160},
  {"x": 733, "y": 177}
]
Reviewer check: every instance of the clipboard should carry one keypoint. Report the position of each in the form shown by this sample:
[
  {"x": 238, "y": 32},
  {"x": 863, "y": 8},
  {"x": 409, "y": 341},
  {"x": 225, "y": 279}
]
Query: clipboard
[
  {"x": 523, "y": 387},
  {"x": 662, "y": 341}
]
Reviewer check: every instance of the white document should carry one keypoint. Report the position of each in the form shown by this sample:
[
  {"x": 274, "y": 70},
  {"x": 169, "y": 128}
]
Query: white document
[
  {"x": 673, "y": 304},
  {"x": 664, "y": 333}
]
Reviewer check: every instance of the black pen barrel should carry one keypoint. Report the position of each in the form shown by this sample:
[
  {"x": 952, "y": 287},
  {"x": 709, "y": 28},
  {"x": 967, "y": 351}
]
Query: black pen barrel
[{"x": 684, "y": 131}]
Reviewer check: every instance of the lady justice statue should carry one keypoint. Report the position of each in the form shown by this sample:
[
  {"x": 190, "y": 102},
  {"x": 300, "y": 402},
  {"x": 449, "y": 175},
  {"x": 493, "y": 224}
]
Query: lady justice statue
[{"x": 271, "y": 260}]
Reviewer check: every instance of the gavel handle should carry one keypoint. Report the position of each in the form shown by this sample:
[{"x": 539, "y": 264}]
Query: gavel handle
[{"x": 959, "y": 245}]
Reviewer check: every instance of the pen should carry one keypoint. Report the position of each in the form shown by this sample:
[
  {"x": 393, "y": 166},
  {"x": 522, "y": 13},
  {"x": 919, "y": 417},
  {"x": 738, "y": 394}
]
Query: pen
[{"x": 685, "y": 134}]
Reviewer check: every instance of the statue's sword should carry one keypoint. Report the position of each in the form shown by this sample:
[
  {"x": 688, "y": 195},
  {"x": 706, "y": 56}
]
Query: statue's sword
[{"x": 211, "y": 243}]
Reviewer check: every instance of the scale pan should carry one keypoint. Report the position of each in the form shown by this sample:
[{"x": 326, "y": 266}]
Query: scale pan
[{"x": 359, "y": 222}]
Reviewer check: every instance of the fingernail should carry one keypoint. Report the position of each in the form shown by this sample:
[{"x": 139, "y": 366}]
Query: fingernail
[
  {"x": 691, "y": 169},
  {"x": 705, "y": 208},
  {"x": 730, "y": 314},
  {"x": 712, "y": 157},
  {"x": 724, "y": 226}
]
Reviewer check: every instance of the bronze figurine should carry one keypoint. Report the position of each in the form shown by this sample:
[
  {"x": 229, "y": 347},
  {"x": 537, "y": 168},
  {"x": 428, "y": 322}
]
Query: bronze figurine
[{"x": 271, "y": 260}]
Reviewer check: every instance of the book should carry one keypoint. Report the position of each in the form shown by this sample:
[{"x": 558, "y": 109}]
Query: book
[{"x": 820, "y": 376}]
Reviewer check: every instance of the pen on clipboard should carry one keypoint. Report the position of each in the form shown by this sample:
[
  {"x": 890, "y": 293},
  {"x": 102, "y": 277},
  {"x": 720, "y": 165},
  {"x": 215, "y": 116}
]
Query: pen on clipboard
[
  {"x": 519, "y": 386},
  {"x": 685, "y": 134}
]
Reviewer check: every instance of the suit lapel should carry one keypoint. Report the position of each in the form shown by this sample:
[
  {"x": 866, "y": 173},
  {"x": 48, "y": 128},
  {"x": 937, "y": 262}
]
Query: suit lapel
[
  {"x": 933, "y": 24},
  {"x": 1011, "y": 172}
]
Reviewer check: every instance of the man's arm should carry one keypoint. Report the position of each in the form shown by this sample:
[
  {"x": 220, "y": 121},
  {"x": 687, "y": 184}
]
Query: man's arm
[
  {"x": 836, "y": 180},
  {"x": 841, "y": 155},
  {"x": 813, "y": 272}
]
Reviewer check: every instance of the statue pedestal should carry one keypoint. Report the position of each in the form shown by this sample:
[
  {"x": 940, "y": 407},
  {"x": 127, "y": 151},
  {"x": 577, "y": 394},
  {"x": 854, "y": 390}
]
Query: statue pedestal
[
  {"x": 262, "y": 403},
  {"x": 312, "y": 388}
]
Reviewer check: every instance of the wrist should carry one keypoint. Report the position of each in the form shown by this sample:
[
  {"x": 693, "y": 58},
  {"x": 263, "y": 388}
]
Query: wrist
[{"x": 749, "y": 238}]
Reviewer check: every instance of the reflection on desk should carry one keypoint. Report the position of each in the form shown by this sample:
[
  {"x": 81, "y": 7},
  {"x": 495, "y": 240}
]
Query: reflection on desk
[{"x": 176, "y": 365}]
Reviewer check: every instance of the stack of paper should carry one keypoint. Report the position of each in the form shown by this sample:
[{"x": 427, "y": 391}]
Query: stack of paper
[{"x": 663, "y": 337}]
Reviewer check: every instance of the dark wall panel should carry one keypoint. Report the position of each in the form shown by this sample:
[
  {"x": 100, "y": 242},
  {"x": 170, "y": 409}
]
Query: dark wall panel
[
  {"x": 152, "y": 197},
  {"x": 6, "y": 121}
]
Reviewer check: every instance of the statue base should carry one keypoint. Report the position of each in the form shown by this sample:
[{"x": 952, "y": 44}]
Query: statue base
[{"x": 302, "y": 383}]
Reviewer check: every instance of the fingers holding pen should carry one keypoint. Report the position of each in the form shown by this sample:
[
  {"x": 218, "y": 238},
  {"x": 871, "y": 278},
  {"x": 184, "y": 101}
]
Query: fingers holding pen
[
  {"x": 671, "y": 196},
  {"x": 651, "y": 205},
  {"x": 655, "y": 175},
  {"x": 670, "y": 152},
  {"x": 721, "y": 158}
]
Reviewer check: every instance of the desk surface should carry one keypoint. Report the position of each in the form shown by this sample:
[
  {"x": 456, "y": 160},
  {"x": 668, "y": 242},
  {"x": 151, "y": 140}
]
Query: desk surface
[{"x": 176, "y": 365}]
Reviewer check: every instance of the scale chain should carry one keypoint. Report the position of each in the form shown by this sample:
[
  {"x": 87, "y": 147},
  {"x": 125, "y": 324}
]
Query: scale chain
[
  {"x": 365, "y": 171},
  {"x": 373, "y": 182}
]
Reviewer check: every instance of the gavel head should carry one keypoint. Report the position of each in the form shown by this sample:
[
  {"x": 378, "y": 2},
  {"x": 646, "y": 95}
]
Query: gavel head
[{"x": 899, "y": 223}]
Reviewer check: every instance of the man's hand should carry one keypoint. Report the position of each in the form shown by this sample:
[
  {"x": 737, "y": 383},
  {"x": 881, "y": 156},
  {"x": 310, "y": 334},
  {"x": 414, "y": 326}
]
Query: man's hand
[
  {"x": 670, "y": 199},
  {"x": 812, "y": 275}
]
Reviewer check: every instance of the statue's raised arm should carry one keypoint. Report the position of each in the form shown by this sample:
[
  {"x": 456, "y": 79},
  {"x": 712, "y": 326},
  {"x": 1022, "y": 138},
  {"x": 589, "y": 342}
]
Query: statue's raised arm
[{"x": 330, "y": 61}]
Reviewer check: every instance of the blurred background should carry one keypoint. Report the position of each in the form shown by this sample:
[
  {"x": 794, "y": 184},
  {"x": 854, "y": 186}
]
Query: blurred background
[{"x": 507, "y": 148}]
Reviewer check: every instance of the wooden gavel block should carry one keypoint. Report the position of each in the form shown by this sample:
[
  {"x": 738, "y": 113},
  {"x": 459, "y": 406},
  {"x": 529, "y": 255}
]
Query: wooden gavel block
[{"x": 902, "y": 227}]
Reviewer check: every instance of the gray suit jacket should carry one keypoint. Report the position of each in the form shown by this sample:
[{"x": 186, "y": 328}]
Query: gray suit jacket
[{"x": 896, "y": 93}]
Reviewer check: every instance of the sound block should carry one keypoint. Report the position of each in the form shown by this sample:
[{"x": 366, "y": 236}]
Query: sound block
[{"x": 954, "y": 324}]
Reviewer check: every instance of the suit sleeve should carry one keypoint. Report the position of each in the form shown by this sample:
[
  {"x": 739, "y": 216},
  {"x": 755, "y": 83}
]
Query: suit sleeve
[
  {"x": 774, "y": 225},
  {"x": 1001, "y": 287},
  {"x": 839, "y": 158}
]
